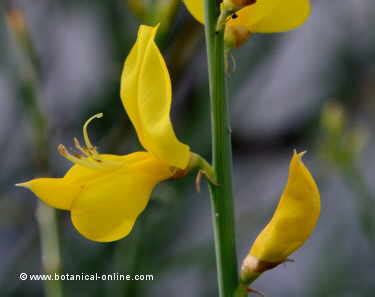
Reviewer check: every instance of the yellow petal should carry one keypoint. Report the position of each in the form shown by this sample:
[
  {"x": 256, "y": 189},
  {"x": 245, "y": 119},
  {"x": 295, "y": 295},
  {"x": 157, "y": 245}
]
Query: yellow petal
[
  {"x": 78, "y": 174},
  {"x": 196, "y": 8},
  {"x": 250, "y": 15},
  {"x": 294, "y": 219},
  {"x": 146, "y": 94},
  {"x": 264, "y": 16},
  {"x": 108, "y": 206},
  {"x": 267, "y": 16},
  {"x": 55, "y": 192}
]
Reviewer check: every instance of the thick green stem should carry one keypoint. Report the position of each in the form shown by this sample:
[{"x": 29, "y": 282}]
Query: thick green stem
[{"x": 221, "y": 195}]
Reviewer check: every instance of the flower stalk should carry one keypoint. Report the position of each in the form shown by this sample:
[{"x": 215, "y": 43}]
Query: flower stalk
[
  {"x": 46, "y": 217},
  {"x": 221, "y": 194}
]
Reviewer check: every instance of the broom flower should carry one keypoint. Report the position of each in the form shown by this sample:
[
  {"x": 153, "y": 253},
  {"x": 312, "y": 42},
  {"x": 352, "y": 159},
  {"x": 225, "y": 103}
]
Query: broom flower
[{"x": 106, "y": 193}]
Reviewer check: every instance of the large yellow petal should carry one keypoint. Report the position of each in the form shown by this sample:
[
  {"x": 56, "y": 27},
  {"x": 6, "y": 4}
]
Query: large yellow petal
[
  {"x": 264, "y": 16},
  {"x": 107, "y": 208},
  {"x": 55, "y": 192},
  {"x": 146, "y": 94},
  {"x": 60, "y": 192},
  {"x": 294, "y": 219},
  {"x": 286, "y": 15},
  {"x": 196, "y": 8}
]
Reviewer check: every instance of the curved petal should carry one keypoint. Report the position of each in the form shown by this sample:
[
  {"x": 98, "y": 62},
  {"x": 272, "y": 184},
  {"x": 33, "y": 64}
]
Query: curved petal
[
  {"x": 251, "y": 15},
  {"x": 107, "y": 208},
  {"x": 287, "y": 15},
  {"x": 196, "y": 8},
  {"x": 56, "y": 192},
  {"x": 294, "y": 219},
  {"x": 247, "y": 16},
  {"x": 146, "y": 94},
  {"x": 264, "y": 16}
]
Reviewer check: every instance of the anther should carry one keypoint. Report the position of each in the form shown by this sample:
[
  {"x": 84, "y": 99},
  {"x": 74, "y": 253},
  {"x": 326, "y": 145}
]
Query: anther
[
  {"x": 86, "y": 151},
  {"x": 77, "y": 160}
]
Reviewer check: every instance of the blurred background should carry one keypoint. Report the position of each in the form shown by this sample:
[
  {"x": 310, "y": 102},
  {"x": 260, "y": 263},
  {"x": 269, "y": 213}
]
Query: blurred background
[{"x": 311, "y": 89}]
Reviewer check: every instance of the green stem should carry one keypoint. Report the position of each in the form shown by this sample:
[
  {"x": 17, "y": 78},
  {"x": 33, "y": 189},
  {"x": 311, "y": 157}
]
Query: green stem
[
  {"x": 221, "y": 195},
  {"x": 46, "y": 216},
  {"x": 243, "y": 286},
  {"x": 49, "y": 242},
  {"x": 241, "y": 290}
]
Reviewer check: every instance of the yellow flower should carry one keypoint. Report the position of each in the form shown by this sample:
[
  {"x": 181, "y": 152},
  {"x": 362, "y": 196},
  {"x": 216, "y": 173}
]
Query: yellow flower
[
  {"x": 291, "y": 225},
  {"x": 262, "y": 16},
  {"x": 106, "y": 193}
]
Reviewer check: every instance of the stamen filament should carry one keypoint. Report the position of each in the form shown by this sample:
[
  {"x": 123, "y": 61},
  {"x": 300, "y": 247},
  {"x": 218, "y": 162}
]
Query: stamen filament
[
  {"x": 86, "y": 138},
  {"x": 78, "y": 146},
  {"x": 88, "y": 162},
  {"x": 83, "y": 162}
]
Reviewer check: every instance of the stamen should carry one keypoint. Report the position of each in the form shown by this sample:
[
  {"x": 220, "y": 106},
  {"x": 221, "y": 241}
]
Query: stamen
[
  {"x": 89, "y": 156},
  {"x": 76, "y": 160},
  {"x": 78, "y": 146},
  {"x": 86, "y": 138},
  {"x": 87, "y": 161}
]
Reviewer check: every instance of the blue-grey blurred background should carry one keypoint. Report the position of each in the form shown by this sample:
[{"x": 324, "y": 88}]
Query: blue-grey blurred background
[{"x": 311, "y": 89}]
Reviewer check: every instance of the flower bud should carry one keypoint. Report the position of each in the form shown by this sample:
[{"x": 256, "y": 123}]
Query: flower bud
[{"x": 291, "y": 225}]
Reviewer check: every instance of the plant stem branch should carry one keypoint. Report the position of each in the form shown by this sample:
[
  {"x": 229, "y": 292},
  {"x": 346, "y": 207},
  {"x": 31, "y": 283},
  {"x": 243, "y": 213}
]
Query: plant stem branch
[
  {"x": 46, "y": 216},
  {"x": 221, "y": 195}
]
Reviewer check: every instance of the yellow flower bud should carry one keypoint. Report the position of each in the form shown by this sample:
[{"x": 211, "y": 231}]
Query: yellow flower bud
[{"x": 291, "y": 225}]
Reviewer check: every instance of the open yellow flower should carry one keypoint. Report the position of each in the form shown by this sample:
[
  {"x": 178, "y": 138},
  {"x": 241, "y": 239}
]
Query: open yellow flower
[
  {"x": 260, "y": 16},
  {"x": 291, "y": 225},
  {"x": 106, "y": 193}
]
